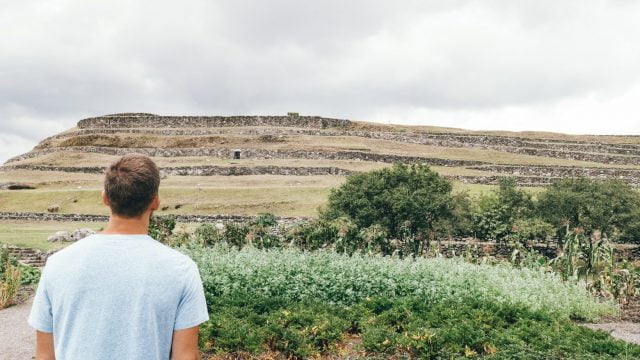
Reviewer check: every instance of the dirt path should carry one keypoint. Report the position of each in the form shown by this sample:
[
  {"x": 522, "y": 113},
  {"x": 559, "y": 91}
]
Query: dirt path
[
  {"x": 627, "y": 331},
  {"x": 17, "y": 338}
]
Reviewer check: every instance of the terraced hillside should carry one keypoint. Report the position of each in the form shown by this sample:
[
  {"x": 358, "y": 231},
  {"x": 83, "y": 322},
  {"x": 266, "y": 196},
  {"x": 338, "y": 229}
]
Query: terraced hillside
[{"x": 288, "y": 164}]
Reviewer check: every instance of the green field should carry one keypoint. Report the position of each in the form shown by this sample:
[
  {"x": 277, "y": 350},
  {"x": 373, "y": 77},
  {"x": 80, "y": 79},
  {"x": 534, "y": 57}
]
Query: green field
[{"x": 34, "y": 234}]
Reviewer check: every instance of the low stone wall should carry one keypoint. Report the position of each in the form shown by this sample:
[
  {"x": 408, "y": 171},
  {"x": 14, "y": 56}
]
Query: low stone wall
[
  {"x": 28, "y": 216},
  {"x": 631, "y": 176},
  {"x": 485, "y": 248},
  {"x": 528, "y": 181},
  {"x": 157, "y": 121},
  {"x": 253, "y": 170},
  {"x": 488, "y": 248},
  {"x": 573, "y": 155},
  {"x": 533, "y": 177},
  {"x": 224, "y": 153},
  {"x": 198, "y": 170},
  {"x": 459, "y": 247}
]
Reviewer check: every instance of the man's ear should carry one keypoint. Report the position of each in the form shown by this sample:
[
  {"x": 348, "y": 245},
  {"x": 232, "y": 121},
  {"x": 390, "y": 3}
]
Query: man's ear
[
  {"x": 155, "y": 203},
  {"x": 105, "y": 199}
]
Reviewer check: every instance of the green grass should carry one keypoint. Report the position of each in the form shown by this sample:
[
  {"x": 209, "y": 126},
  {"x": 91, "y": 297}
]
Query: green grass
[
  {"x": 34, "y": 234},
  {"x": 247, "y": 195},
  {"x": 294, "y": 201}
]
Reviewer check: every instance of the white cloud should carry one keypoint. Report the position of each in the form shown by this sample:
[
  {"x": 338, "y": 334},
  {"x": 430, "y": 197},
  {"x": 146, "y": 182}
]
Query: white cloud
[{"x": 501, "y": 64}]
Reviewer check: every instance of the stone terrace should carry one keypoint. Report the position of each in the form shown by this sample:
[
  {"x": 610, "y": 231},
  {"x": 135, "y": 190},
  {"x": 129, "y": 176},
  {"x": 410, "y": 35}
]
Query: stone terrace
[{"x": 617, "y": 160}]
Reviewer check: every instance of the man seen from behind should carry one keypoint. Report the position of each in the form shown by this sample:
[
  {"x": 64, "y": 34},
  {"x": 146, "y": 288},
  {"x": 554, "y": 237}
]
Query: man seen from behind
[{"x": 120, "y": 294}]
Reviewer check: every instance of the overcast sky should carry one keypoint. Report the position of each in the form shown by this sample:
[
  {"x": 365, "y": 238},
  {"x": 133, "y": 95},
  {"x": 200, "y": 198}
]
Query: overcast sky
[{"x": 568, "y": 66}]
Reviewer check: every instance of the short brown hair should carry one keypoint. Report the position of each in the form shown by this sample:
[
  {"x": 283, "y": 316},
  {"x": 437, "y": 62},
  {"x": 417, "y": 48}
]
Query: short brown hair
[{"x": 130, "y": 184}]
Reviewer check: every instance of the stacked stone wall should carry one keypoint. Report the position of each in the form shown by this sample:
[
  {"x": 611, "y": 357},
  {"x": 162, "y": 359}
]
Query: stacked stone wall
[
  {"x": 459, "y": 247},
  {"x": 29, "y": 256},
  {"x": 561, "y": 171},
  {"x": 225, "y": 153},
  {"x": 29, "y": 216},
  {"x": 156, "y": 121},
  {"x": 530, "y": 181},
  {"x": 204, "y": 170}
]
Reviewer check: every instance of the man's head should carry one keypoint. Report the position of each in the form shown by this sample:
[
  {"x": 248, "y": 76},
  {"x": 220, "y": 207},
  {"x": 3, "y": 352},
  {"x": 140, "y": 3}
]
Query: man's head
[{"x": 131, "y": 186}]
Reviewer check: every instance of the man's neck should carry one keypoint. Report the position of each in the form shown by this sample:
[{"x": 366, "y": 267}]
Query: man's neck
[{"x": 127, "y": 226}]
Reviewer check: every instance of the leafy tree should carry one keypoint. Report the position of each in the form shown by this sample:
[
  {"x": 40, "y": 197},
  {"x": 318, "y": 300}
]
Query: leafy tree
[
  {"x": 491, "y": 218},
  {"x": 460, "y": 222},
  {"x": 610, "y": 207},
  {"x": 496, "y": 212},
  {"x": 401, "y": 199},
  {"x": 518, "y": 202}
]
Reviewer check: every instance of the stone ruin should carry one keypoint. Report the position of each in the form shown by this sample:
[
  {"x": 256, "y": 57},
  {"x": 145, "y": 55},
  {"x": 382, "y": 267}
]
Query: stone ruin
[
  {"x": 65, "y": 236},
  {"x": 144, "y": 120}
]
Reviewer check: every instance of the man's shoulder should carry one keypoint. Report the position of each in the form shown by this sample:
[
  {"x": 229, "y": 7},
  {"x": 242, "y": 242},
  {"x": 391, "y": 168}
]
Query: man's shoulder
[
  {"x": 174, "y": 254},
  {"x": 156, "y": 249},
  {"x": 67, "y": 251}
]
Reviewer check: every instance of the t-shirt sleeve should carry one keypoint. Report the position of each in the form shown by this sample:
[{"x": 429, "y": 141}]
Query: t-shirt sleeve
[
  {"x": 192, "y": 309},
  {"x": 41, "y": 316}
]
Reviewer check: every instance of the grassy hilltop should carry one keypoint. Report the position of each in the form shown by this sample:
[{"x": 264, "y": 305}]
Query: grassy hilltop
[{"x": 290, "y": 195}]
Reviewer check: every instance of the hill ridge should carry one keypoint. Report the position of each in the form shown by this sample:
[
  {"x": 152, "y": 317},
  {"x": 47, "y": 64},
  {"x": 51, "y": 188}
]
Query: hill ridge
[{"x": 306, "y": 155}]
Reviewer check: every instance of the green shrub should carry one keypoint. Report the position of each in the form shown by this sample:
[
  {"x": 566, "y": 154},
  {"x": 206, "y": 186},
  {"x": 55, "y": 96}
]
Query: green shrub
[
  {"x": 532, "y": 229},
  {"x": 303, "y": 331},
  {"x": 418, "y": 329},
  {"x": 226, "y": 331},
  {"x": 236, "y": 235},
  {"x": 610, "y": 207},
  {"x": 401, "y": 199},
  {"x": 161, "y": 227},
  {"x": 313, "y": 235},
  {"x": 461, "y": 221},
  {"x": 402, "y": 328},
  {"x": 207, "y": 234},
  {"x": 264, "y": 220},
  {"x": 496, "y": 213},
  {"x": 30, "y": 275},
  {"x": 491, "y": 218},
  {"x": 262, "y": 239}
]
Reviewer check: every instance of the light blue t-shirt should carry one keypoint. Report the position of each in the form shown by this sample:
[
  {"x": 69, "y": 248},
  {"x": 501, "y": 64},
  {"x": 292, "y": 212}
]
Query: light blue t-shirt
[{"x": 117, "y": 297}]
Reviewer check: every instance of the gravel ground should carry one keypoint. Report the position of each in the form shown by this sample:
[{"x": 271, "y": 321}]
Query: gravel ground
[
  {"x": 17, "y": 338},
  {"x": 627, "y": 331}
]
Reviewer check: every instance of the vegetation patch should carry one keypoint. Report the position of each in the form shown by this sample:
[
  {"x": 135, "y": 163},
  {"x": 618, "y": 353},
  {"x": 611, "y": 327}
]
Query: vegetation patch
[
  {"x": 302, "y": 304},
  {"x": 13, "y": 276}
]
